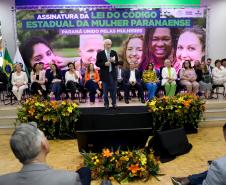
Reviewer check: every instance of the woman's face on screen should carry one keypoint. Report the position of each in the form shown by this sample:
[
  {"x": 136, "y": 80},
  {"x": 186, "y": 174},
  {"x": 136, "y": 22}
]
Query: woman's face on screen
[
  {"x": 134, "y": 51},
  {"x": 189, "y": 47},
  {"x": 161, "y": 43},
  {"x": 42, "y": 53}
]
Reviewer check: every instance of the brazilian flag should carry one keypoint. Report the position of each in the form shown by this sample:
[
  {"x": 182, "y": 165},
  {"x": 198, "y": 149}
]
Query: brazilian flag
[{"x": 7, "y": 66}]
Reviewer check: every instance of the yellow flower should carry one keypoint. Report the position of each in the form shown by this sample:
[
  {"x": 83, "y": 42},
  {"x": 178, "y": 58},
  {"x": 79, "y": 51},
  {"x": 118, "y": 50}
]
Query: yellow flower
[
  {"x": 70, "y": 109},
  {"x": 152, "y": 103},
  {"x": 124, "y": 158},
  {"x": 63, "y": 103},
  {"x": 117, "y": 152},
  {"x": 75, "y": 105},
  {"x": 143, "y": 159},
  {"x": 181, "y": 99}
]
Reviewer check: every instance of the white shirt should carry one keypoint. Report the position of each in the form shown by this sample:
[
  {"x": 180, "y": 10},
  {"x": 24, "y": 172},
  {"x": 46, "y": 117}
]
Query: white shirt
[
  {"x": 106, "y": 52},
  {"x": 132, "y": 77},
  {"x": 22, "y": 78},
  {"x": 119, "y": 76},
  {"x": 218, "y": 73},
  {"x": 71, "y": 77}
]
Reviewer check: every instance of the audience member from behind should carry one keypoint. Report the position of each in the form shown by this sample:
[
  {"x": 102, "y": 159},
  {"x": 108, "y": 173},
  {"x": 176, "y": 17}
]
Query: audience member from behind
[
  {"x": 169, "y": 77},
  {"x": 19, "y": 81},
  {"x": 31, "y": 148},
  {"x": 215, "y": 175}
]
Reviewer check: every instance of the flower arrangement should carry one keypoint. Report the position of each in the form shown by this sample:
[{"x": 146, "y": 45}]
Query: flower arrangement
[
  {"x": 54, "y": 118},
  {"x": 183, "y": 110},
  {"x": 122, "y": 166}
]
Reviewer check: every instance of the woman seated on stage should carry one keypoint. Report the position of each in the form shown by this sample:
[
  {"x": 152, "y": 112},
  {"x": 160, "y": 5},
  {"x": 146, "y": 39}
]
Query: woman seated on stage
[
  {"x": 169, "y": 77},
  {"x": 54, "y": 78},
  {"x": 92, "y": 82},
  {"x": 150, "y": 80},
  {"x": 72, "y": 80},
  {"x": 19, "y": 81},
  {"x": 188, "y": 78},
  {"x": 38, "y": 80},
  {"x": 204, "y": 79},
  {"x": 219, "y": 74}
]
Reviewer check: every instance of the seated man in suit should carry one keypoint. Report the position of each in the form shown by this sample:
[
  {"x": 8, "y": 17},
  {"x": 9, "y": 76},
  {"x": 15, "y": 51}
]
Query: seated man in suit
[
  {"x": 31, "y": 147},
  {"x": 216, "y": 174},
  {"x": 132, "y": 78}
]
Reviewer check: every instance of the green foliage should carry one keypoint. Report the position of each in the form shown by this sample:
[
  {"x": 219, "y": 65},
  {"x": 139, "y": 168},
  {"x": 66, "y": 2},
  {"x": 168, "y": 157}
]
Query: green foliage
[
  {"x": 182, "y": 110},
  {"x": 56, "y": 119},
  {"x": 123, "y": 166}
]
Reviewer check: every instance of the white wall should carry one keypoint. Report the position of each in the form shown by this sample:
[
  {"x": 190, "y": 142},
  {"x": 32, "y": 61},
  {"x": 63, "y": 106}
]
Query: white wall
[
  {"x": 216, "y": 41},
  {"x": 8, "y": 25},
  {"x": 217, "y": 30}
]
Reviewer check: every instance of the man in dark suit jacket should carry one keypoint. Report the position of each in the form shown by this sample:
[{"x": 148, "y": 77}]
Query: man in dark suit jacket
[
  {"x": 209, "y": 67},
  {"x": 106, "y": 61},
  {"x": 132, "y": 78},
  {"x": 31, "y": 147}
]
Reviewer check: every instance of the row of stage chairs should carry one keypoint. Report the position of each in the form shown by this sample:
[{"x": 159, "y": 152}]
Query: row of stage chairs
[{"x": 7, "y": 97}]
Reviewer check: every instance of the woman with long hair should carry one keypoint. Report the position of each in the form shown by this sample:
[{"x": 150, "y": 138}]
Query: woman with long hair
[
  {"x": 150, "y": 80},
  {"x": 92, "y": 82},
  {"x": 204, "y": 79},
  {"x": 54, "y": 81},
  {"x": 188, "y": 78},
  {"x": 37, "y": 80},
  {"x": 72, "y": 79}
]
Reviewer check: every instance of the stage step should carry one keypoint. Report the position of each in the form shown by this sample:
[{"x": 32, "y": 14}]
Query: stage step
[
  {"x": 215, "y": 115},
  {"x": 213, "y": 122},
  {"x": 8, "y": 115},
  {"x": 221, "y": 104}
]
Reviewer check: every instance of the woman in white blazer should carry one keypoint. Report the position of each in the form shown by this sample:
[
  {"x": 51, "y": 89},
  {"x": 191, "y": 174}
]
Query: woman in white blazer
[
  {"x": 169, "y": 77},
  {"x": 19, "y": 82}
]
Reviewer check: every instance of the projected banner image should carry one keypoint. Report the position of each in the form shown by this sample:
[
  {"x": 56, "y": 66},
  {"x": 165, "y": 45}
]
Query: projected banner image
[{"x": 139, "y": 36}]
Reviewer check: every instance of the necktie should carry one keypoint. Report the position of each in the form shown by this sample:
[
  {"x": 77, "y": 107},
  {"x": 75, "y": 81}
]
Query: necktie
[{"x": 108, "y": 56}]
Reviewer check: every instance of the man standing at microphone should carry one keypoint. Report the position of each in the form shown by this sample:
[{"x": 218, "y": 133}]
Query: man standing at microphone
[{"x": 106, "y": 61}]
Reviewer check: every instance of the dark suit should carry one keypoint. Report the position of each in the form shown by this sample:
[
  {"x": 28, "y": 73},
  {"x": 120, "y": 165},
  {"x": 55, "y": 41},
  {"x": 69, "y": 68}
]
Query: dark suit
[
  {"x": 109, "y": 79},
  {"x": 40, "y": 174},
  {"x": 127, "y": 85}
]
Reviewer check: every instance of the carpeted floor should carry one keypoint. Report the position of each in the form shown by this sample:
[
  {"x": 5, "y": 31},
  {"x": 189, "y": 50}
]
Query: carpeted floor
[{"x": 208, "y": 144}]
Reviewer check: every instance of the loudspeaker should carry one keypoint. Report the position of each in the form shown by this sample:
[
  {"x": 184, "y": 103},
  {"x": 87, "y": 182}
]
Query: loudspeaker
[
  {"x": 169, "y": 144},
  {"x": 126, "y": 127},
  {"x": 96, "y": 140}
]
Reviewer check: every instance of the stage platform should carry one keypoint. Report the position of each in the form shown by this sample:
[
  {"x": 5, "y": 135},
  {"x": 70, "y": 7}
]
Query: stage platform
[
  {"x": 125, "y": 127},
  {"x": 215, "y": 114}
]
